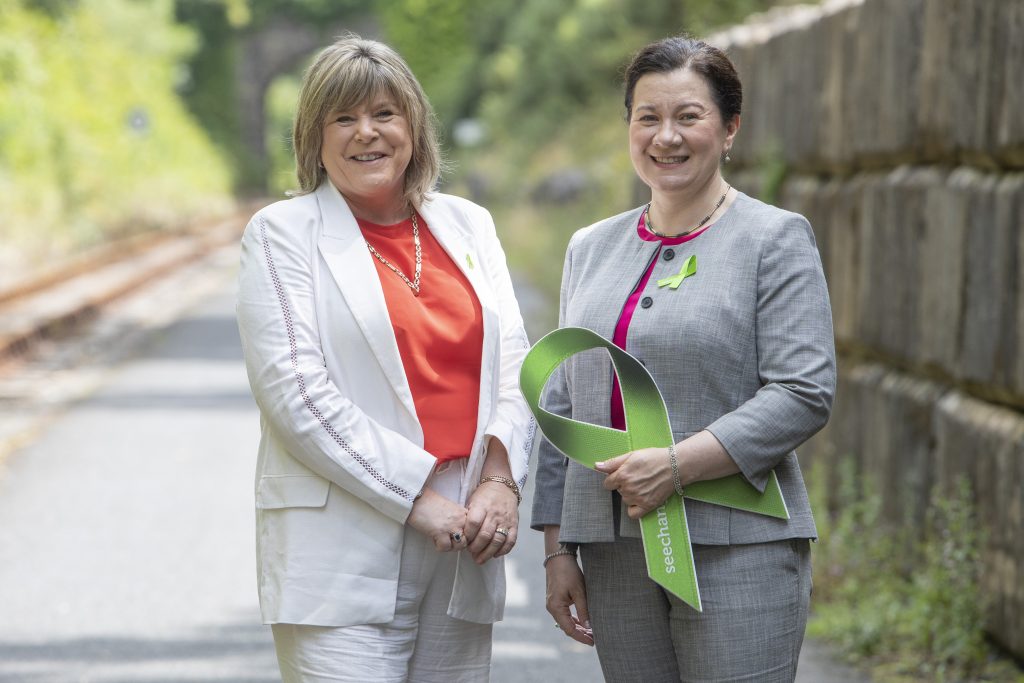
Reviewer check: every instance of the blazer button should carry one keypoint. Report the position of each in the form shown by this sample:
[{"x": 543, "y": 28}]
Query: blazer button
[
  {"x": 668, "y": 254},
  {"x": 646, "y": 302}
]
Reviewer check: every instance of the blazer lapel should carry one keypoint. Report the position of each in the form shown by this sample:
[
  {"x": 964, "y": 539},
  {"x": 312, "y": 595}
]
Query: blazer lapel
[
  {"x": 453, "y": 233},
  {"x": 343, "y": 249}
]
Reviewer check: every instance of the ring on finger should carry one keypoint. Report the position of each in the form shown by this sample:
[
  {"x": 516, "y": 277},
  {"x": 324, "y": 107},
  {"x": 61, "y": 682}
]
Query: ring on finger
[
  {"x": 456, "y": 537},
  {"x": 501, "y": 530}
]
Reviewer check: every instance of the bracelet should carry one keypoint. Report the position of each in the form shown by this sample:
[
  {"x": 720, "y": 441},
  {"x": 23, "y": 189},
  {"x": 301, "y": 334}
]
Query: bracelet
[
  {"x": 507, "y": 482},
  {"x": 562, "y": 550},
  {"x": 675, "y": 469}
]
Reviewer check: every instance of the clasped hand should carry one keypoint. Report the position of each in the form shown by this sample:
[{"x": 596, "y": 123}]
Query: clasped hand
[
  {"x": 643, "y": 478},
  {"x": 491, "y": 510}
]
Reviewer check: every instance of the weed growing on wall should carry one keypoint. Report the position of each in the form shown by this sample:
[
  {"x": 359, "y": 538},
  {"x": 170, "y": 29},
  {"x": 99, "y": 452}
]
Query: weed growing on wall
[{"x": 911, "y": 609}]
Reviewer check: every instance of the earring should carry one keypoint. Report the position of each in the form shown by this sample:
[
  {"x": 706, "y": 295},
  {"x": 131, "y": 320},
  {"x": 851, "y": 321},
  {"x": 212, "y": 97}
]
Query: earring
[{"x": 727, "y": 158}]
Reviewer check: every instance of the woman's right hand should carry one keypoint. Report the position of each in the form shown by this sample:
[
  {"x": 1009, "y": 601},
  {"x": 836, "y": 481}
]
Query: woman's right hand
[
  {"x": 565, "y": 589},
  {"x": 441, "y": 520}
]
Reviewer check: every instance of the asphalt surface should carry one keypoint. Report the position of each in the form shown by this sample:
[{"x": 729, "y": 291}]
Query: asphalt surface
[{"x": 126, "y": 517}]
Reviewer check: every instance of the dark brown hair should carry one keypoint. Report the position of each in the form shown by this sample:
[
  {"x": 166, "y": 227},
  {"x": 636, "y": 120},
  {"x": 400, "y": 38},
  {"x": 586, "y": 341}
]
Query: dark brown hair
[{"x": 706, "y": 60}]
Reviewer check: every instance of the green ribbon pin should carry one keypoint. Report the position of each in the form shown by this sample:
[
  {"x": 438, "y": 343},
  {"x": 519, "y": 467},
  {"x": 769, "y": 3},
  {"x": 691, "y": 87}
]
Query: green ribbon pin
[
  {"x": 666, "y": 537},
  {"x": 689, "y": 268}
]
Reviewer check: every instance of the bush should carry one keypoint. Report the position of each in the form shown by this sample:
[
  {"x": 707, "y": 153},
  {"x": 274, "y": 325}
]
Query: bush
[{"x": 93, "y": 139}]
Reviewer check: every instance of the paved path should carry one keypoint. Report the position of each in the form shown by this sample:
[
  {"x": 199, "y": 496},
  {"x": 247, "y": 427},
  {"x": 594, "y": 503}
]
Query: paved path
[{"x": 126, "y": 525}]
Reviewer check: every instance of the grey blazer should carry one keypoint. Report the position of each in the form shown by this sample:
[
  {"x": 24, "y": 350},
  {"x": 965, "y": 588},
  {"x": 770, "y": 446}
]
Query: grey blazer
[{"x": 743, "y": 349}]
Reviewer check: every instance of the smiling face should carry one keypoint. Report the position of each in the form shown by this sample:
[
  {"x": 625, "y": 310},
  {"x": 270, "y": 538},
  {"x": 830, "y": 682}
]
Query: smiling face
[
  {"x": 676, "y": 134},
  {"x": 365, "y": 152}
]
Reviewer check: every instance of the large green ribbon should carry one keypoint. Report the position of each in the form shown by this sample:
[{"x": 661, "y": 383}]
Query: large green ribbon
[{"x": 666, "y": 537}]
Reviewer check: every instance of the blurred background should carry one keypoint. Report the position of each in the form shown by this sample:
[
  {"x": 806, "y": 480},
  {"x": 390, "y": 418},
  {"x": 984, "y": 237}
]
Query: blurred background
[{"x": 138, "y": 136}]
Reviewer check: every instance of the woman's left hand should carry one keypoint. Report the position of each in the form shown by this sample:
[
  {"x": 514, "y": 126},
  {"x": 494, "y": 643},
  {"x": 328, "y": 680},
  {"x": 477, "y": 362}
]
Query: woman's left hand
[
  {"x": 643, "y": 479},
  {"x": 492, "y": 507}
]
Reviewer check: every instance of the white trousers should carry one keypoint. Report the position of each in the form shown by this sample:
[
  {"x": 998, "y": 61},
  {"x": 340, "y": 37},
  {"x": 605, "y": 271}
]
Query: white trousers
[{"x": 422, "y": 643}]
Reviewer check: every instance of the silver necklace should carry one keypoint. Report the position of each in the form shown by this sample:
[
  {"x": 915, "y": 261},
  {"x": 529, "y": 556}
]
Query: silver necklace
[
  {"x": 414, "y": 284},
  {"x": 647, "y": 217}
]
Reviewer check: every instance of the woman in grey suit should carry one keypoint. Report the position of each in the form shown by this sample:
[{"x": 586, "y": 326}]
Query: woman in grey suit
[{"x": 742, "y": 350}]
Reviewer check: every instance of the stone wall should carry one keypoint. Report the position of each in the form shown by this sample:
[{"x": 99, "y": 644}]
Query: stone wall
[{"x": 899, "y": 125}]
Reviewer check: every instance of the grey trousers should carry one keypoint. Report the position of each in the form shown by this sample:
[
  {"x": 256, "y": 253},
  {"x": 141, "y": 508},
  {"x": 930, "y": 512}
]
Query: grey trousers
[{"x": 755, "y": 600}]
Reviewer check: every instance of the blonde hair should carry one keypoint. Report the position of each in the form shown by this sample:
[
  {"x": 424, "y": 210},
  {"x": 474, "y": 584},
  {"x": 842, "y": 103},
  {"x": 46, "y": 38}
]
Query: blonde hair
[{"x": 346, "y": 74}]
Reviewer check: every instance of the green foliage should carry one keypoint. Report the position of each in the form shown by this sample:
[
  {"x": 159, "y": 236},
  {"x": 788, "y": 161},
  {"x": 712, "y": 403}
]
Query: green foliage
[
  {"x": 912, "y": 608},
  {"x": 209, "y": 87},
  {"x": 311, "y": 12},
  {"x": 531, "y": 68},
  {"x": 281, "y": 99},
  {"x": 211, "y": 90},
  {"x": 439, "y": 39},
  {"x": 947, "y": 610},
  {"x": 558, "y": 58},
  {"x": 859, "y": 580},
  {"x": 249, "y": 14},
  {"x": 93, "y": 140}
]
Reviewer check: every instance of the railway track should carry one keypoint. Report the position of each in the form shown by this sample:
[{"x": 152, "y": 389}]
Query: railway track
[{"x": 55, "y": 301}]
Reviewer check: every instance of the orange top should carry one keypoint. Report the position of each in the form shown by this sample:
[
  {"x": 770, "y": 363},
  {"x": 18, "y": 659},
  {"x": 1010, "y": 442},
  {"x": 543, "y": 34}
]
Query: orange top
[{"x": 440, "y": 334}]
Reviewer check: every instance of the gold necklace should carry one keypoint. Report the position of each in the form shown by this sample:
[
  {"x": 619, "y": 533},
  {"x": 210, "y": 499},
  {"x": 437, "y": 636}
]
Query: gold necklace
[
  {"x": 647, "y": 217},
  {"x": 414, "y": 284}
]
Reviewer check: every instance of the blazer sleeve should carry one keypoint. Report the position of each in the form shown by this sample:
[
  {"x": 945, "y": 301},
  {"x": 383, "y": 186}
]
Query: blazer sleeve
[
  {"x": 512, "y": 423},
  {"x": 313, "y": 418},
  {"x": 795, "y": 355},
  {"x": 551, "y": 462}
]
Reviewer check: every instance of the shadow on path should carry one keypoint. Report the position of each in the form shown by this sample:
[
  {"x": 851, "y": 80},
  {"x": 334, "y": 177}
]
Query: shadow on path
[{"x": 242, "y": 653}]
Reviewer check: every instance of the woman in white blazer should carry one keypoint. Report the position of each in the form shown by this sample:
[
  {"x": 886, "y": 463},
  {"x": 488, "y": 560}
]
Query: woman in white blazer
[{"x": 383, "y": 344}]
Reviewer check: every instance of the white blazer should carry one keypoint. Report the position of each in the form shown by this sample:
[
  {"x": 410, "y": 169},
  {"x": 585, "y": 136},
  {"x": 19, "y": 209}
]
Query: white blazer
[{"x": 341, "y": 455}]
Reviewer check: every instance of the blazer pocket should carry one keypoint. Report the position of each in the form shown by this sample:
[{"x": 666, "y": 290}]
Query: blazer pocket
[{"x": 277, "y": 491}]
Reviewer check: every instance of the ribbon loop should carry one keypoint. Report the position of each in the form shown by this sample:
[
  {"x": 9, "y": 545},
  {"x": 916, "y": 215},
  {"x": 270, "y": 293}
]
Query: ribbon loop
[
  {"x": 689, "y": 268},
  {"x": 666, "y": 538}
]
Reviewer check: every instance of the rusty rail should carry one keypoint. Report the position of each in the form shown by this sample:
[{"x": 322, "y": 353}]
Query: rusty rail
[{"x": 56, "y": 300}]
